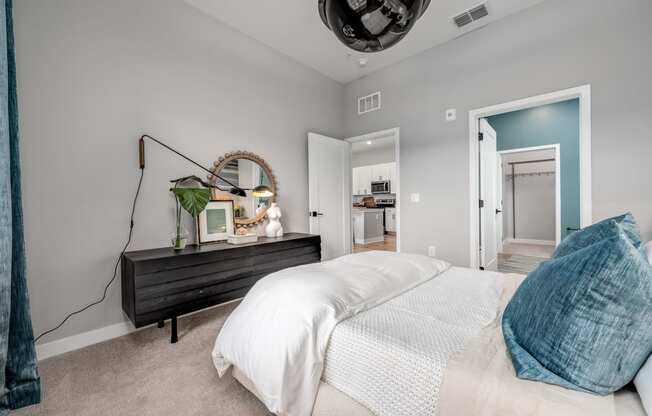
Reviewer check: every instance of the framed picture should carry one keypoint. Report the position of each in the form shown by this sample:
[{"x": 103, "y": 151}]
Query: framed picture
[{"x": 216, "y": 222}]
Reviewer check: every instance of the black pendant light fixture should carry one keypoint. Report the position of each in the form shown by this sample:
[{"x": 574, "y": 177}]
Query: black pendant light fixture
[{"x": 371, "y": 25}]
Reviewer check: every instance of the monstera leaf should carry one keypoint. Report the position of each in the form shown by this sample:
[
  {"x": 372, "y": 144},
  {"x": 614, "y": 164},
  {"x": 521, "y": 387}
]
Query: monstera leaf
[{"x": 193, "y": 200}]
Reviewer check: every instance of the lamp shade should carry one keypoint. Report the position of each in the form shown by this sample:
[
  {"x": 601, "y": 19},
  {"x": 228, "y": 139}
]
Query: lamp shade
[{"x": 262, "y": 191}]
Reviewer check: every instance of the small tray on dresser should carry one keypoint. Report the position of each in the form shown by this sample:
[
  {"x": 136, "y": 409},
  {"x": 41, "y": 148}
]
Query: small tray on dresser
[{"x": 162, "y": 284}]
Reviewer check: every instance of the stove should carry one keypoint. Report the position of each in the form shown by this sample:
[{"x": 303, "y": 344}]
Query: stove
[{"x": 385, "y": 203}]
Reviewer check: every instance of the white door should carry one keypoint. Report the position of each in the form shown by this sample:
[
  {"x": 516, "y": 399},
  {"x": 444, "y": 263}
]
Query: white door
[
  {"x": 499, "y": 203},
  {"x": 488, "y": 173},
  {"x": 329, "y": 193}
]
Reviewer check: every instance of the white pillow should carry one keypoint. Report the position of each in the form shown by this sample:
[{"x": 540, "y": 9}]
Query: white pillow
[{"x": 643, "y": 383}]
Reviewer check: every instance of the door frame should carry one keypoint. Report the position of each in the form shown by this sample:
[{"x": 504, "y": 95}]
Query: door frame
[
  {"x": 584, "y": 95},
  {"x": 396, "y": 133},
  {"x": 557, "y": 148}
]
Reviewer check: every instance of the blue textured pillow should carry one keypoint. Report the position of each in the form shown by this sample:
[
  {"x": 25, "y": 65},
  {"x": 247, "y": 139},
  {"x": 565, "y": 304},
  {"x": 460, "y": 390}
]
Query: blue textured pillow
[
  {"x": 598, "y": 231},
  {"x": 583, "y": 321}
]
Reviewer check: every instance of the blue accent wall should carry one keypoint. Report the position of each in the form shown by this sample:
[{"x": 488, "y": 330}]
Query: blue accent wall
[{"x": 549, "y": 124}]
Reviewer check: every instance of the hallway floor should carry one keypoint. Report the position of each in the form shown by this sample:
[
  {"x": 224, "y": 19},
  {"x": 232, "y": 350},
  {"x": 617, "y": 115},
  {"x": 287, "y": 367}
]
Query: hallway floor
[
  {"x": 523, "y": 258},
  {"x": 388, "y": 245}
]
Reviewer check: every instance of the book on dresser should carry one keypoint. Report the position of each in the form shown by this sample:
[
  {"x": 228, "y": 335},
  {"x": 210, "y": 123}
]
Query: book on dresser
[{"x": 162, "y": 284}]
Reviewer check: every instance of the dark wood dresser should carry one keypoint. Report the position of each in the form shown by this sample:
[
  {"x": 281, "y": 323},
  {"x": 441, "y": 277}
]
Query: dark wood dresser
[{"x": 163, "y": 284}]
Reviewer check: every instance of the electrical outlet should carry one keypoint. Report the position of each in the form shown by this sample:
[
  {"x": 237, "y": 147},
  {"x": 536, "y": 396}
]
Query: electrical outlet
[
  {"x": 432, "y": 251},
  {"x": 451, "y": 114},
  {"x": 415, "y": 197}
]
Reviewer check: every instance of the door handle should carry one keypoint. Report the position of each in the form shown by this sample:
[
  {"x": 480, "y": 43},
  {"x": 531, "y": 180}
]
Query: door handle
[
  {"x": 498, "y": 211},
  {"x": 315, "y": 214}
]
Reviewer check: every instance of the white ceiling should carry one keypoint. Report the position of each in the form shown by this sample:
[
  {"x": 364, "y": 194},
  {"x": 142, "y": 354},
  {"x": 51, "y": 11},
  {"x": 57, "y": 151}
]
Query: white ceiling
[
  {"x": 294, "y": 28},
  {"x": 372, "y": 145}
]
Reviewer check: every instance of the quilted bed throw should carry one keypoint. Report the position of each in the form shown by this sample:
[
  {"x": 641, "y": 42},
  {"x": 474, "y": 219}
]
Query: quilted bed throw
[{"x": 19, "y": 381}]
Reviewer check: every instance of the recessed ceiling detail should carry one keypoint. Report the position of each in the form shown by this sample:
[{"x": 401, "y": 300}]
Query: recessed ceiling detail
[{"x": 294, "y": 28}]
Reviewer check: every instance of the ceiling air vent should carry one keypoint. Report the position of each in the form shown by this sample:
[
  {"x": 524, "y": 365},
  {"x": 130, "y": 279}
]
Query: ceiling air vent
[
  {"x": 369, "y": 103},
  {"x": 471, "y": 15}
]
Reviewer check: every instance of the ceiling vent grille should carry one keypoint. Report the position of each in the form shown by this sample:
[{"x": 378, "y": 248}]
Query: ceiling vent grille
[
  {"x": 369, "y": 103},
  {"x": 471, "y": 15}
]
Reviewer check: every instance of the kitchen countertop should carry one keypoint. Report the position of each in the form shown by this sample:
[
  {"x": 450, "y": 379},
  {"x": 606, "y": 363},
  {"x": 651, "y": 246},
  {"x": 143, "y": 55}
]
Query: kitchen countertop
[{"x": 363, "y": 209}]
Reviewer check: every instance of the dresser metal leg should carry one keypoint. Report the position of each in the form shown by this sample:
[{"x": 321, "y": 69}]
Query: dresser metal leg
[
  {"x": 161, "y": 324},
  {"x": 174, "y": 337}
]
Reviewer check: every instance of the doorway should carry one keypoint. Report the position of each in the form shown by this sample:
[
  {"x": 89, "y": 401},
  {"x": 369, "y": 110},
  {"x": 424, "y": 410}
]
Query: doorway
[
  {"x": 561, "y": 122},
  {"x": 333, "y": 188},
  {"x": 530, "y": 193},
  {"x": 375, "y": 205}
]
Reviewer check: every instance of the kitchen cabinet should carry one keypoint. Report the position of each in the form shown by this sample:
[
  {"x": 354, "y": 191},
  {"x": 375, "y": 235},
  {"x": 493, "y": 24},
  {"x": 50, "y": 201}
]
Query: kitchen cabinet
[
  {"x": 368, "y": 225},
  {"x": 362, "y": 180},
  {"x": 363, "y": 176},
  {"x": 380, "y": 172},
  {"x": 390, "y": 220}
]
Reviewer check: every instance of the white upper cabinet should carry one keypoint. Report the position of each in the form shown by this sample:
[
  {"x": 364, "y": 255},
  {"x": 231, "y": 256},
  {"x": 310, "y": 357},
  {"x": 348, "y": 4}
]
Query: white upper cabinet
[
  {"x": 364, "y": 180},
  {"x": 380, "y": 172},
  {"x": 363, "y": 176}
]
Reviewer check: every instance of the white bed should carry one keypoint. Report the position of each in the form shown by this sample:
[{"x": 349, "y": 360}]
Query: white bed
[{"x": 426, "y": 342}]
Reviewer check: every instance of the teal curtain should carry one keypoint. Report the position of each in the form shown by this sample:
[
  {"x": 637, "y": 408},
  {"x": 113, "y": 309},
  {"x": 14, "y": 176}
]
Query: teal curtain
[{"x": 19, "y": 381}]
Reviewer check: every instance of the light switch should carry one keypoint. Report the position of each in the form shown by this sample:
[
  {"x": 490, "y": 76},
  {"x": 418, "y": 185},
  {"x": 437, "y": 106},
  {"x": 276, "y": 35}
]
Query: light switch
[
  {"x": 451, "y": 114},
  {"x": 415, "y": 197}
]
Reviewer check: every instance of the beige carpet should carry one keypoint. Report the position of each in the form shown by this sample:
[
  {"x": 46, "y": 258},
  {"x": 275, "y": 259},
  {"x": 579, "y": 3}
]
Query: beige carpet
[{"x": 143, "y": 374}]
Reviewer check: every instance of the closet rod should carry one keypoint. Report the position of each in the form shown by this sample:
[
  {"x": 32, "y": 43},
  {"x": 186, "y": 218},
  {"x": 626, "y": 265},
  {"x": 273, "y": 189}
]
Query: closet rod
[{"x": 532, "y": 161}]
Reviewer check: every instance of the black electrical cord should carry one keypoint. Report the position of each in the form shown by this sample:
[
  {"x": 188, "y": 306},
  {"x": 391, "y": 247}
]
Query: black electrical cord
[{"x": 115, "y": 269}]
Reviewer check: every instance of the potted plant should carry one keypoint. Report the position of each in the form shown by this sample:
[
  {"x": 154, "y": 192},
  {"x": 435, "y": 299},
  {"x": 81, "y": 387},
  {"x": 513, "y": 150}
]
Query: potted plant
[{"x": 192, "y": 194}]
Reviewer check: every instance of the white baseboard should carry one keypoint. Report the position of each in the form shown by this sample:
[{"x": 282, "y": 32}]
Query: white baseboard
[
  {"x": 529, "y": 241},
  {"x": 370, "y": 240},
  {"x": 85, "y": 339},
  {"x": 95, "y": 336}
]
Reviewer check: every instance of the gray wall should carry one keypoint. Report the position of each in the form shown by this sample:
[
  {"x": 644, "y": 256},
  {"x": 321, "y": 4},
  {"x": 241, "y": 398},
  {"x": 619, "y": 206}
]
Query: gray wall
[
  {"x": 93, "y": 75},
  {"x": 552, "y": 46},
  {"x": 375, "y": 156},
  {"x": 535, "y": 208}
]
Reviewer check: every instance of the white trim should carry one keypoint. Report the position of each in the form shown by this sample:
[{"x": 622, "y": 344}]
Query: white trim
[
  {"x": 363, "y": 241},
  {"x": 584, "y": 95},
  {"x": 85, "y": 339},
  {"x": 396, "y": 133},
  {"x": 557, "y": 148},
  {"x": 529, "y": 241},
  {"x": 528, "y": 149},
  {"x": 95, "y": 336}
]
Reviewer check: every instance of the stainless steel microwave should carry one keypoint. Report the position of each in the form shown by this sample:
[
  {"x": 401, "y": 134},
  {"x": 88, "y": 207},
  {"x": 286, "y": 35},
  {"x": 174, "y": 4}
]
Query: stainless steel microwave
[{"x": 381, "y": 187}]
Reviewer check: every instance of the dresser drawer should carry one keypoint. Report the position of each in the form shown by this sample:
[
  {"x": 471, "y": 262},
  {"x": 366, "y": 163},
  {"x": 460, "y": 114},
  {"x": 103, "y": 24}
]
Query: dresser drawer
[{"x": 161, "y": 284}]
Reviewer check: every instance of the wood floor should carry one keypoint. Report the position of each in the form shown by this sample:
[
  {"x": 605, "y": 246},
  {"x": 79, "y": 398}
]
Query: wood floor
[
  {"x": 523, "y": 258},
  {"x": 388, "y": 245}
]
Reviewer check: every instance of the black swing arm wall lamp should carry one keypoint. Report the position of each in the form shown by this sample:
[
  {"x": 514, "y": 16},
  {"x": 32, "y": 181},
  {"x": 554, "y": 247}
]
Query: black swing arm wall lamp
[{"x": 259, "y": 191}]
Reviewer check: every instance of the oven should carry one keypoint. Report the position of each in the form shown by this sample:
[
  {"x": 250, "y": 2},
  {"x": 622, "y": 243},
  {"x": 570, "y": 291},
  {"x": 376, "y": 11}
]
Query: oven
[{"x": 381, "y": 187}]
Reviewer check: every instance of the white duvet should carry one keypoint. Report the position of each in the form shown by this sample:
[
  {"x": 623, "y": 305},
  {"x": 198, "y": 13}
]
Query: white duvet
[{"x": 278, "y": 335}]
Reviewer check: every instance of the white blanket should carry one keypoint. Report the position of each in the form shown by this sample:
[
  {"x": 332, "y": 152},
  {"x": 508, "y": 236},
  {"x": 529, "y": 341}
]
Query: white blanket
[
  {"x": 392, "y": 359},
  {"x": 278, "y": 335}
]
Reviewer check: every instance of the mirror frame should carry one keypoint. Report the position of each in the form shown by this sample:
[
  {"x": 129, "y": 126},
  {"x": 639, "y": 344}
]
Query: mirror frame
[{"x": 219, "y": 165}]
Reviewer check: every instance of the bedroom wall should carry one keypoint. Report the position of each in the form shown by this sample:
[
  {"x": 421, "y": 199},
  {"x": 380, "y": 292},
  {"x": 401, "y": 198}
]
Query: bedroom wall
[
  {"x": 557, "y": 123},
  {"x": 555, "y": 45},
  {"x": 93, "y": 76}
]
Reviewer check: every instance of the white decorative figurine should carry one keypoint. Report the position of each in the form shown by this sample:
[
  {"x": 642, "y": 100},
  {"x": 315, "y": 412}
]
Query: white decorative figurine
[{"x": 274, "y": 228}]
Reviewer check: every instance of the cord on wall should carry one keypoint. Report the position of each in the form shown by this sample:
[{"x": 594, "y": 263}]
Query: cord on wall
[{"x": 115, "y": 269}]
